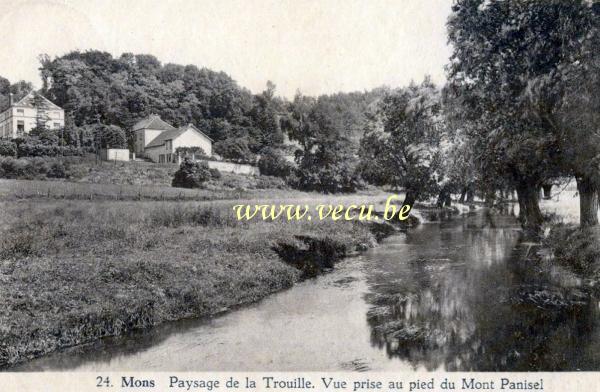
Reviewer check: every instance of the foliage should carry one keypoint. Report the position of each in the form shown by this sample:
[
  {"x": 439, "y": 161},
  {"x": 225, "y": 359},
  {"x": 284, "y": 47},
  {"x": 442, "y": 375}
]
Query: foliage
[
  {"x": 189, "y": 151},
  {"x": 32, "y": 147},
  {"x": 33, "y": 168},
  {"x": 18, "y": 90},
  {"x": 502, "y": 50},
  {"x": 273, "y": 163},
  {"x": 8, "y": 148},
  {"x": 235, "y": 150},
  {"x": 215, "y": 174},
  {"x": 96, "y": 87},
  {"x": 110, "y": 136},
  {"x": 191, "y": 174},
  {"x": 326, "y": 162},
  {"x": 401, "y": 145}
]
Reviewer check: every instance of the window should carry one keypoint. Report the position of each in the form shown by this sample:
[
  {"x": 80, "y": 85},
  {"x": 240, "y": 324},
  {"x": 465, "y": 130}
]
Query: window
[
  {"x": 20, "y": 111},
  {"x": 56, "y": 125},
  {"x": 161, "y": 158},
  {"x": 169, "y": 144},
  {"x": 20, "y": 127}
]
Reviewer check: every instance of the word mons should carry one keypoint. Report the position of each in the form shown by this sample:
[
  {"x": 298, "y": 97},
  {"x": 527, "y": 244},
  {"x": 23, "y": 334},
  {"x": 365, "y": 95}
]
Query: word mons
[{"x": 337, "y": 212}]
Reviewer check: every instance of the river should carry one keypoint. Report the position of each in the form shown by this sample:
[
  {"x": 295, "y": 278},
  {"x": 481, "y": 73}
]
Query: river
[{"x": 455, "y": 294}]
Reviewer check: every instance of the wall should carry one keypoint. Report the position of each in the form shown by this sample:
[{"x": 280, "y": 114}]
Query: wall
[
  {"x": 143, "y": 137},
  {"x": 115, "y": 154},
  {"x": 191, "y": 138},
  {"x": 237, "y": 168},
  {"x": 154, "y": 153}
]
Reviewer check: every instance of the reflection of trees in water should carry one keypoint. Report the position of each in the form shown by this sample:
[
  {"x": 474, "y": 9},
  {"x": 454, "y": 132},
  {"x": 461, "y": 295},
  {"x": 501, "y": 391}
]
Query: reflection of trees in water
[{"x": 486, "y": 310}]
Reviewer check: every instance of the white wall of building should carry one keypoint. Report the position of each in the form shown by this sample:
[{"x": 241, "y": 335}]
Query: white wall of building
[
  {"x": 191, "y": 138},
  {"x": 166, "y": 153},
  {"x": 115, "y": 154},
  {"x": 15, "y": 118},
  {"x": 143, "y": 137}
]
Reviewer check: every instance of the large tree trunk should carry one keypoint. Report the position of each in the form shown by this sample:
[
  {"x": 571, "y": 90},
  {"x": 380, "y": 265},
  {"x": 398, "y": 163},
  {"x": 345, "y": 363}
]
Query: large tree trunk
[
  {"x": 444, "y": 199},
  {"x": 530, "y": 214},
  {"x": 448, "y": 200},
  {"x": 470, "y": 196},
  {"x": 490, "y": 197},
  {"x": 588, "y": 201},
  {"x": 410, "y": 198},
  {"x": 463, "y": 195}
]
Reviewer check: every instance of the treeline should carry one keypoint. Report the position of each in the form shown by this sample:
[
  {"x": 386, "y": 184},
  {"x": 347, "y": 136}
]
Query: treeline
[
  {"x": 520, "y": 111},
  {"x": 104, "y": 96}
]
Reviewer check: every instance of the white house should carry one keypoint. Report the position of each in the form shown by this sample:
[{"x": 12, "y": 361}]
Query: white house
[
  {"x": 158, "y": 140},
  {"x": 22, "y": 116}
]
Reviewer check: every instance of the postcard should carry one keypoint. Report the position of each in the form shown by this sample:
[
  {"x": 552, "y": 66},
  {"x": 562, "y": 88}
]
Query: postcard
[{"x": 299, "y": 195}]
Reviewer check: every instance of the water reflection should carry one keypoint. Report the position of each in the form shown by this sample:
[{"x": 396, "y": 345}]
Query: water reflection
[{"x": 460, "y": 296}]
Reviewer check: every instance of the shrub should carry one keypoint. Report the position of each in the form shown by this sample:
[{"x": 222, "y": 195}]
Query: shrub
[
  {"x": 191, "y": 174},
  {"x": 32, "y": 168},
  {"x": 269, "y": 182},
  {"x": 235, "y": 150},
  {"x": 57, "y": 170},
  {"x": 32, "y": 148},
  {"x": 215, "y": 174},
  {"x": 109, "y": 136},
  {"x": 8, "y": 148},
  {"x": 197, "y": 152},
  {"x": 273, "y": 163}
]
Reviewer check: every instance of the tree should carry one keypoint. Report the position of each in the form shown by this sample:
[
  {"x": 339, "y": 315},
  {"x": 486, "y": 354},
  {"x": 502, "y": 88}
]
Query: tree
[
  {"x": 235, "y": 149},
  {"x": 272, "y": 162},
  {"x": 109, "y": 136},
  {"x": 326, "y": 162},
  {"x": 8, "y": 148},
  {"x": 500, "y": 48},
  {"x": 403, "y": 138},
  {"x": 573, "y": 111}
]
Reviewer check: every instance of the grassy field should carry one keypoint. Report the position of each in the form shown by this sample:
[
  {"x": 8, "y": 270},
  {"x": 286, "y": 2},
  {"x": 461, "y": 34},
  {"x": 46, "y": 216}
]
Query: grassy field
[{"x": 73, "y": 271}]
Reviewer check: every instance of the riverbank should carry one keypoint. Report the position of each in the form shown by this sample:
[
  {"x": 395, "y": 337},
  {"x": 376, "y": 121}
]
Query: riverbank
[
  {"x": 72, "y": 272},
  {"x": 567, "y": 245},
  {"x": 577, "y": 249}
]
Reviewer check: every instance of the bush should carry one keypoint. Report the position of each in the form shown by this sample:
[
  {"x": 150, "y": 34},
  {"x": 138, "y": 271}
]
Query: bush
[
  {"x": 32, "y": 168},
  {"x": 8, "y": 148},
  {"x": 57, "y": 170},
  {"x": 578, "y": 248},
  {"x": 235, "y": 150},
  {"x": 191, "y": 174},
  {"x": 215, "y": 174},
  {"x": 197, "y": 152},
  {"x": 273, "y": 163},
  {"x": 269, "y": 182},
  {"x": 31, "y": 148}
]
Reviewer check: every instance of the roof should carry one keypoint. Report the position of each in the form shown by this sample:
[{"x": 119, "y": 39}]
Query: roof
[
  {"x": 27, "y": 102},
  {"x": 174, "y": 134},
  {"x": 153, "y": 121}
]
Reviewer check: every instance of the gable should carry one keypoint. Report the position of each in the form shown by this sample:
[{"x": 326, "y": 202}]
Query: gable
[
  {"x": 153, "y": 122},
  {"x": 199, "y": 132},
  {"x": 27, "y": 101}
]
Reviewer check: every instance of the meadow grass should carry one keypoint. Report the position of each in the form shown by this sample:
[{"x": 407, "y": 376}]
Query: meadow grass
[{"x": 73, "y": 271}]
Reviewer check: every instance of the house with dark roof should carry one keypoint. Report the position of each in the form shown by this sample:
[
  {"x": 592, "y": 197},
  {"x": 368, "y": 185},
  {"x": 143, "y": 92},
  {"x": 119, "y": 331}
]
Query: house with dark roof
[
  {"x": 158, "y": 140},
  {"x": 22, "y": 116}
]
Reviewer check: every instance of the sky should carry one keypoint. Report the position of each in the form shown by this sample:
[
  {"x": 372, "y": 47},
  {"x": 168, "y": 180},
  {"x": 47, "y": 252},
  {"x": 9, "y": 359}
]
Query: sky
[{"x": 317, "y": 47}]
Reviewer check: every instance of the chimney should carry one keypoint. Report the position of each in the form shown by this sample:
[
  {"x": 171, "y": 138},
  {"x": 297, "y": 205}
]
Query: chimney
[{"x": 10, "y": 99}]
